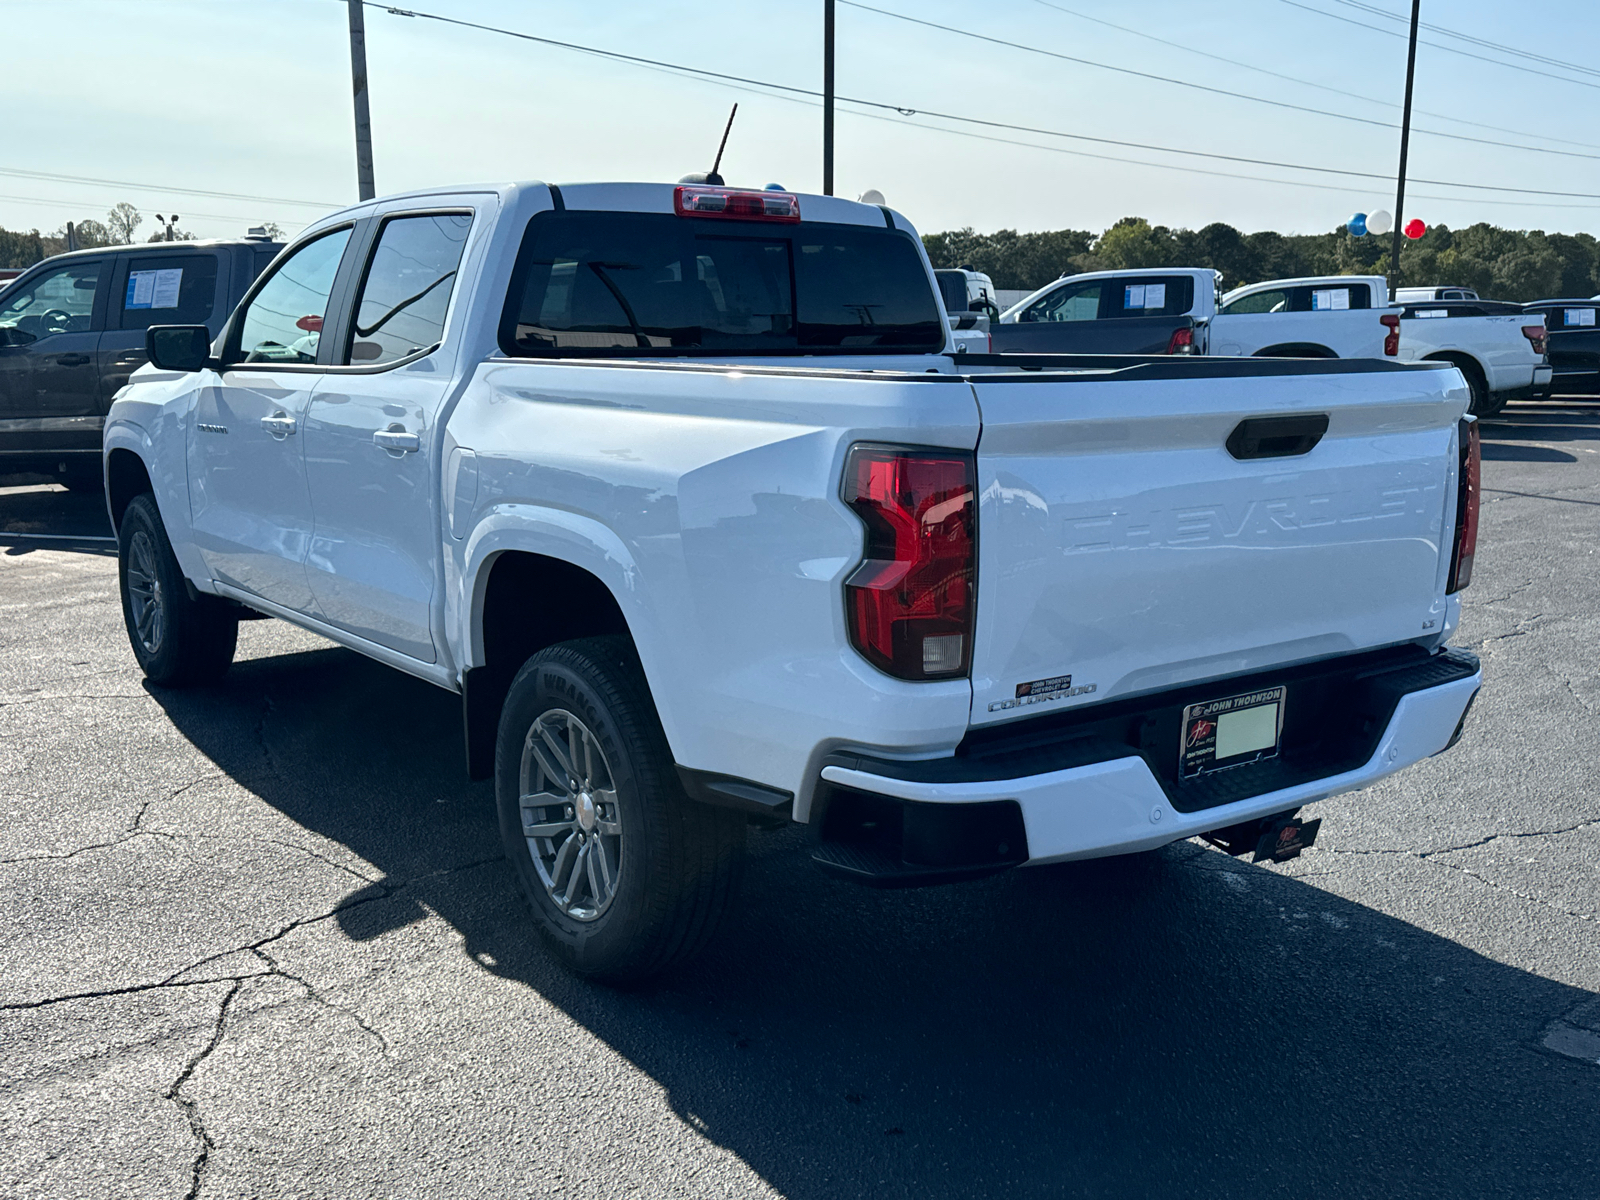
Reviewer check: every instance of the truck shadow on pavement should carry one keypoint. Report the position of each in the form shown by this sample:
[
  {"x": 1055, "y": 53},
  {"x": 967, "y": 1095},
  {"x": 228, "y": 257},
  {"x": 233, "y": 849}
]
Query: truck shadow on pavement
[{"x": 1178, "y": 1025}]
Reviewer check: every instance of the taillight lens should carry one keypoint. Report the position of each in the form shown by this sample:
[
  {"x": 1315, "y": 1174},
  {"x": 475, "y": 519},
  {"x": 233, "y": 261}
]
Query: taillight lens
[
  {"x": 910, "y": 604},
  {"x": 1182, "y": 342},
  {"x": 1467, "y": 490},
  {"x": 1391, "y": 340},
  {"x": 700, "y": 201},
  {"x": 1535, "y": 334}
]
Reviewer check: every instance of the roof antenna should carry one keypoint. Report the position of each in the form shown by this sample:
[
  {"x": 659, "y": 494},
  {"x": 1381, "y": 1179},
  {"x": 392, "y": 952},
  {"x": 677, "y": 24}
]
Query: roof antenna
[{"x": 713, "y": 178}]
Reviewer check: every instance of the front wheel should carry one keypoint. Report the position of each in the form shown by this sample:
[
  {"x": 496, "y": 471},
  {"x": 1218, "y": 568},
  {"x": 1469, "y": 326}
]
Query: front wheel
[
  {"x": 178, "y": 639},
  {"x": 625, "y": 874}
]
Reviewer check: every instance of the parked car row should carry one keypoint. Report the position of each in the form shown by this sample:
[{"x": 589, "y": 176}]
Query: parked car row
[
  {"x": 72, "y": 331},
  {"x": 1499, "y": 348}
]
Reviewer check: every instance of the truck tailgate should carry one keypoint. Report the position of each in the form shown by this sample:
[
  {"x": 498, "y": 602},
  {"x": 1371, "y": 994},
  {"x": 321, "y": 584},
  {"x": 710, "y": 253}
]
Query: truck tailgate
[{"x": 1121, "y": 543}]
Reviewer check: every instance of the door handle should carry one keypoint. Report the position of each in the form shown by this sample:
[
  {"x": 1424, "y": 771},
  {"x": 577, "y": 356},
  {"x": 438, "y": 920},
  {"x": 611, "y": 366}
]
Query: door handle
[
  {"x": 72, "y": 360},
  {"x": 280, "y": 424},
  {"x": 397, "y": 441}
]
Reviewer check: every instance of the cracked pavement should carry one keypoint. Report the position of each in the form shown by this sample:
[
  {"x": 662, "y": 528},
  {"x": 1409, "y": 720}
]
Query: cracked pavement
[{"x": 260, "y": 942}]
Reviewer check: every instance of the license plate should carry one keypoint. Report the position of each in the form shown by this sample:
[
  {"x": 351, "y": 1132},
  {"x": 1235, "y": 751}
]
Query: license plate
[{"x": 1231, "y": 732}]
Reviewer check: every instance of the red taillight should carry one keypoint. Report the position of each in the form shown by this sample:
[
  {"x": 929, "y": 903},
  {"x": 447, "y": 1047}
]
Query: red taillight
[
  {"x": 1535, "y": 334},
  {"x": 1467, "y": 490},
  {"x": 1182, "y": 342},
  {"x": 1391, "y": 340},
  {"x": 701, "y": 201},
  {"x": 910, "y": 603}
]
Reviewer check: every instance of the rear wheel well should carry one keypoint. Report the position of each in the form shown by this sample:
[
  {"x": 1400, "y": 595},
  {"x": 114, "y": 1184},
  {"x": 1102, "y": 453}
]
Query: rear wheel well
[
  {"x": 126, "y": 477},
  {"x": 1295, "y": 350},
  {"x": 1477, "y": 380},
  {"x": 530, "y": 601},
  {"x": 1469, "y": 366}
]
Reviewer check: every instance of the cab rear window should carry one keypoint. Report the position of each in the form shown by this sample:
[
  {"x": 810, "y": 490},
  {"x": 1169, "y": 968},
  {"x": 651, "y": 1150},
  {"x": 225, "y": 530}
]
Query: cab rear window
[{"x": 634, "y": 285}]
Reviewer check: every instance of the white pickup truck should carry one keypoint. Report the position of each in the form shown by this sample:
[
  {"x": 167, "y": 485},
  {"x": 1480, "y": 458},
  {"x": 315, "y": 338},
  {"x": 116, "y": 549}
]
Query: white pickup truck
[
  {"x": 684, "y": 492},
  {"x": 1162, "y": 310},
  {"x": 1500, "y": 348}
]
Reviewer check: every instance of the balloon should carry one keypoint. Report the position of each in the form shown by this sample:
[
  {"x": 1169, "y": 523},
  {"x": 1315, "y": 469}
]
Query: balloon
[
  {"x": 1380, "y": 221},
  {"x": 1357, "y": 225},
  {"x": 1415, "y": 229}
]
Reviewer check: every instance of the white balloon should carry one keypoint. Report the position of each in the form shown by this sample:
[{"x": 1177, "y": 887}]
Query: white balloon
[{"x": 1380, "y": 222}]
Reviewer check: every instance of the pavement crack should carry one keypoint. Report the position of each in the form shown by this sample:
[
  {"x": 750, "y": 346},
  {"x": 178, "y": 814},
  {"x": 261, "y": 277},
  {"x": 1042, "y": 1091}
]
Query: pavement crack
[
  {"x": 1511, "y": 891},
  {"x": 130, "y": 990},
  {"x": 127, "y": 837},
  {"x": 315, "y": 994},
  {"x": 191, "y": 1108},
  {"x": 307, "y": 850}
]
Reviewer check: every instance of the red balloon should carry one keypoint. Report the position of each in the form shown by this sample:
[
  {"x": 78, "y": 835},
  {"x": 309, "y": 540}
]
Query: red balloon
[{"x": 1415, "y": 229}]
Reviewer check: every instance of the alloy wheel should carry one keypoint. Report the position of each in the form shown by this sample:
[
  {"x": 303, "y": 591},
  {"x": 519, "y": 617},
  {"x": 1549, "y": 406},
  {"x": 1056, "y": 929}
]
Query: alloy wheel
[{"x": 570, "y": 817}]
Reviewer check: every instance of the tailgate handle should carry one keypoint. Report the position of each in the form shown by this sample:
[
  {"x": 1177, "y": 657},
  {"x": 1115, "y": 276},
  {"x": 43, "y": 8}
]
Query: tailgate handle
[{"x": 1277, "y": 437}]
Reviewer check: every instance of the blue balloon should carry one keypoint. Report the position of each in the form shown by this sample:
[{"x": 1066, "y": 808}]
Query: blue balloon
[{"x": 1358, "y": 225}]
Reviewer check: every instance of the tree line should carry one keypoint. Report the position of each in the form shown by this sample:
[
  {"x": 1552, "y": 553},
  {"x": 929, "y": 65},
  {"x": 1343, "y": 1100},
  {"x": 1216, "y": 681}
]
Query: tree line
[
  {"x": 120, "y": 228},
  {"x": 1505, "y": 264}
]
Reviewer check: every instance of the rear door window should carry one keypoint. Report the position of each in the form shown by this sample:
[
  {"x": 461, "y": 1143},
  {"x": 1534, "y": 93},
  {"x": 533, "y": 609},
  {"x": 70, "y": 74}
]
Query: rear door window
[
  {"x": 168, "y": 289},
  {"x": 1148, "y": 296},
  {"x": 1573, "y": 318},
  {"x": 407, "y": 289},
  {"x": 646, "y": 284}
]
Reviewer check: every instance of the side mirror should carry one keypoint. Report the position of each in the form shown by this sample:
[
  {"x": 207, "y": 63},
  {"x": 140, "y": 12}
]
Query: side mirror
[{"x": 178, "y": 347}]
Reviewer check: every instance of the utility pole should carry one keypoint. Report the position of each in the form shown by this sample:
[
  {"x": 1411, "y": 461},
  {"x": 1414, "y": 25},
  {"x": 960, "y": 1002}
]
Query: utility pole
[
  {"x": 1405, "y": 143},
  {"x": 827, "y": 97},
  {"x": 358, "y": 76}
]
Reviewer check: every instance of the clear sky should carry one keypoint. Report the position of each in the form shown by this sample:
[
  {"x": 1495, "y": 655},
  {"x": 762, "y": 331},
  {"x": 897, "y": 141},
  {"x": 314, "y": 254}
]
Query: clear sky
[{"x": 252, "y": 97}]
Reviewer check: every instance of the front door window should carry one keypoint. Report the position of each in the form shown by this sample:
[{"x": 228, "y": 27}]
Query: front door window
[{"x": 282, "y": 324}]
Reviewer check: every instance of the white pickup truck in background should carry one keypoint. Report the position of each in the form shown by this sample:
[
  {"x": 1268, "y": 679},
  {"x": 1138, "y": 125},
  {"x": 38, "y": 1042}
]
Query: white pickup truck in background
[
  {"x": 1177, "y": 311},
  {"x": 1500, "y": 347},
  {"x": 969, "y": 304},
  {"x": 687, "y": 495}
]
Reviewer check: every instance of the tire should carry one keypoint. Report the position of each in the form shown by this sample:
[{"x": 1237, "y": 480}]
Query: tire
[
  {"x": 630, "y": 876},
  {"x": 178, "y": 639},
  {"x": 1490, "y": 406}
]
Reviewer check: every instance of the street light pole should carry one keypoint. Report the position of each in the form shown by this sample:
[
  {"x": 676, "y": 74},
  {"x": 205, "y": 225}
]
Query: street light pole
[
  {"x": 358, "y": 76},
  {"x": 827, "y": 97},
  {"x": 1405, "y": 143}
]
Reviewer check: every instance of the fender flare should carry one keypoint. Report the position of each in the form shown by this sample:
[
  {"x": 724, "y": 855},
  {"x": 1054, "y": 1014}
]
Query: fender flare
[{"x": 582, "y": 541}]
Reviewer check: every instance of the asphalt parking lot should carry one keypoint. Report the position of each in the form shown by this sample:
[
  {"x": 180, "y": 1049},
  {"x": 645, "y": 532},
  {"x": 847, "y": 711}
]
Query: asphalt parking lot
[{"x": 259, "y": 941}]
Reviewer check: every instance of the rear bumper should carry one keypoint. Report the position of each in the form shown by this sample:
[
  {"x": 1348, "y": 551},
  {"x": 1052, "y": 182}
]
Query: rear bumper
[{"x": 1118, "y": 806}]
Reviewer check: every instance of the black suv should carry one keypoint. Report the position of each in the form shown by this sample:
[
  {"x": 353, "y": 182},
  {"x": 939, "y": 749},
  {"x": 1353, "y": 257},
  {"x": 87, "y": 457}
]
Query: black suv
[{"x": 72, "y": 331}]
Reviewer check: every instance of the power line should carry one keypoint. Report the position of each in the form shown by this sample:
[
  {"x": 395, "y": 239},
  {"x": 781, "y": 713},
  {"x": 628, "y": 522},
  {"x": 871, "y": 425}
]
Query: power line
[
  {"x": 1201, "y": 87},
  {"x": 1321, "y": 87},
  {"x": 1475, "y": 41},
  {"x": 908, "y": 111},
  {"x": 1440, "y": 46},
  {"x": 150, "y": 187},
  {"x": 82, "y": 206}
]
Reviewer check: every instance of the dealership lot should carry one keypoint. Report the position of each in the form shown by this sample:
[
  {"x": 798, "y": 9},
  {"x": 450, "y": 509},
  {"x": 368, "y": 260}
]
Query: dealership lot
[{"x": 260, "y": 941}]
